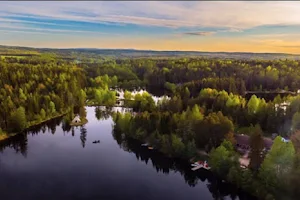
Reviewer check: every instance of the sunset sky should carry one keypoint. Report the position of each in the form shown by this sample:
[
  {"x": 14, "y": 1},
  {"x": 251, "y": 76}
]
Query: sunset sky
[{"x": 198, "y": 26}]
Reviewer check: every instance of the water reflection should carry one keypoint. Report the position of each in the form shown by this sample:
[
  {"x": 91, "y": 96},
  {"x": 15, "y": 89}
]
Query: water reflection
[
  {"x": 19, "y": 143},
  {"x": 103, "y": 113},
  {"x": 218, "y": 188},
  {"x": 162, "y": 164},
  {"x": 83, "y": 135}
]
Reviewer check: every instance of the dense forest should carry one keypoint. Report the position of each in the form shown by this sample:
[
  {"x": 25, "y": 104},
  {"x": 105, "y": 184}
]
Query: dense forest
[
  {"x": 210, "y": 101},
  {"x": 182, "y": 133},
  {"x": 236, "y": 76},
  {"x": 34, "y": 90}
]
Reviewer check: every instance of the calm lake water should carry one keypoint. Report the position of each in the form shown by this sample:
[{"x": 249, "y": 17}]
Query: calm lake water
[{"x": 53, "y": 161}]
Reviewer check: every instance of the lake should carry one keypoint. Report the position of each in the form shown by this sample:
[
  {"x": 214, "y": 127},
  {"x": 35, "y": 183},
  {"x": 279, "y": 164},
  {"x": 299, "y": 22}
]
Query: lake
[{"x": 52, "y": 161}]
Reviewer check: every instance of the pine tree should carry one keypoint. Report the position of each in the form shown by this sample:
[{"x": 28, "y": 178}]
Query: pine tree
[
  {"x": 257, "y": 146},
  {"x": 17, "y": 120}
]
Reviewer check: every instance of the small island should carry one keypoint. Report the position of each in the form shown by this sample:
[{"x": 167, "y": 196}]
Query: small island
[{"x": 77, "y": 121}]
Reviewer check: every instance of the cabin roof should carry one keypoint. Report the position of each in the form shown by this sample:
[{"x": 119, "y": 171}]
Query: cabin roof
[
  {"x": 76, "y": 118},
  {"x": 245, "y": 140},
  {"x": 242, "y": 139}
]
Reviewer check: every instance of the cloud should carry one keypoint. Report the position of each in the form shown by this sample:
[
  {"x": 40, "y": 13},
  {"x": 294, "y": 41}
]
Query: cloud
[
  {"x": 286, "y": 41},
  {"x": 262, "y": 24},
  {"x": 21, "y": 31},
  {"x": 24, "y": 21},
  {"x": 275, "y": 40},
  {"x": 232, "y": 30},
  {"x": 209, "y": 33},
  {"x": 18, "y": 28},
  {"x": 291, "y": 46},
  {"x": 200, "y": 33},
  {"x": 233, "y": 15}
]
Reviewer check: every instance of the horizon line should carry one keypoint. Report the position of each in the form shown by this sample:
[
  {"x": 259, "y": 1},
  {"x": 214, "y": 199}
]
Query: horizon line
[{"x": 136, "y": 49}]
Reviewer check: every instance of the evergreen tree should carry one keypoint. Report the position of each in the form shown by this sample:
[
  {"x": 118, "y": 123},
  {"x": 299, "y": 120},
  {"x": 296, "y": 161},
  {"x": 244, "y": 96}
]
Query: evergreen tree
[
  {"x": 257, "y": 146},
  {"x": 17, "y": 120}
]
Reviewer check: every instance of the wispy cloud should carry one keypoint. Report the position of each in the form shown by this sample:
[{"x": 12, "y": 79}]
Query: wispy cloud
[
  {"x": 232, "y": 30},
  {"x": 12, "y": 27},
  {"x": 291, "y": 46},
  {"x": 22, "y": 31},
  {"x": 201, "y": 33},
  {"x": 24, "y": 21},
  {"x": 145, "y": 23},
  {"x": 236, "y": 15}
]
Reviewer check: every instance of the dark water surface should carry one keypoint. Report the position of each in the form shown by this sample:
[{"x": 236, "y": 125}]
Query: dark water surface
[{"x": 53, "y": 161}]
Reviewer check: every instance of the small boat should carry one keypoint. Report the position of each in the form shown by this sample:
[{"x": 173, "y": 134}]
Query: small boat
[
  {"x": 197, "y": 163},
  {"x": 200, "y": 164},
  {"x": 197, "y": 167},
  {"x": 150, "y": 148},
  {"x": 145, "y": 145},
  {"x": 194, "y": 164},
  {"x": 96, "y": 141}
]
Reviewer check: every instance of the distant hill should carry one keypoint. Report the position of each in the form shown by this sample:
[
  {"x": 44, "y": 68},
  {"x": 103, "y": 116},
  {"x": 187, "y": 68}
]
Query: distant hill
[{"x": 133, "y": 53}]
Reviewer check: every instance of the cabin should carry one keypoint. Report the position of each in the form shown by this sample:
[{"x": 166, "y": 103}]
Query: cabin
[
  {"x": 243, "y": 143},
  {"x": 76, "y": 120},
  {"x": 282, "y": 106},
  {"x": 243, "y": 146}
]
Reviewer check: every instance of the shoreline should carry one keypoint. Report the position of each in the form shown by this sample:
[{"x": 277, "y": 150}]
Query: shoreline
[
  {"x": 200, "y": 155},
  {"x": 4, "y": 136}
]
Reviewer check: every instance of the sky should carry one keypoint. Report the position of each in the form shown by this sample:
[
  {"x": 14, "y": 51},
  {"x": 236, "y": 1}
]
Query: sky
[{"x": 233, "y": 26}]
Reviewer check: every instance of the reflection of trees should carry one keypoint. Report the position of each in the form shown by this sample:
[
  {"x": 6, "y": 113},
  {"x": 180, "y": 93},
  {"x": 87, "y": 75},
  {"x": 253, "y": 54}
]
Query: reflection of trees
[
  {"x": 161, "y": 163},
  {"x": 52, "y": 128},
  {"x": 43, "y": 129},
  {"x": 18, "y": 143},
  {"x": 66, "y": 126},
  {"x": 50, "y": 125},
  {"x": 83, "y": 135},
  {"x": 73, "y": 131},
  {"x": 102, "y": 114},
  {"x": 220, "y": 189}
]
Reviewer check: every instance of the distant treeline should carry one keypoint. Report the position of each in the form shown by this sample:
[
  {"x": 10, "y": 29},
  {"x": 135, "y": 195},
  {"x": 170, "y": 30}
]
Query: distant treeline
[
  {"x": 133, "y": 53},
  {"x": 236, "y": 76}
]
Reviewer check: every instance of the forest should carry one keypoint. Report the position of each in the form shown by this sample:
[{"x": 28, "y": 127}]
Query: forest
[
  {"x": 36, "y": 90},
  {"x": 208, "y": 105}
]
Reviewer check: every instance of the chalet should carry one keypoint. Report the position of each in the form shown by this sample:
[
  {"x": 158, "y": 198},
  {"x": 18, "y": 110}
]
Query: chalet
[
  {"x": 243, "y": 143},
  {"x": 282, "y": 106},
  {"x": 76, "y": 119},
  {"x": 243, "y": 146}
]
